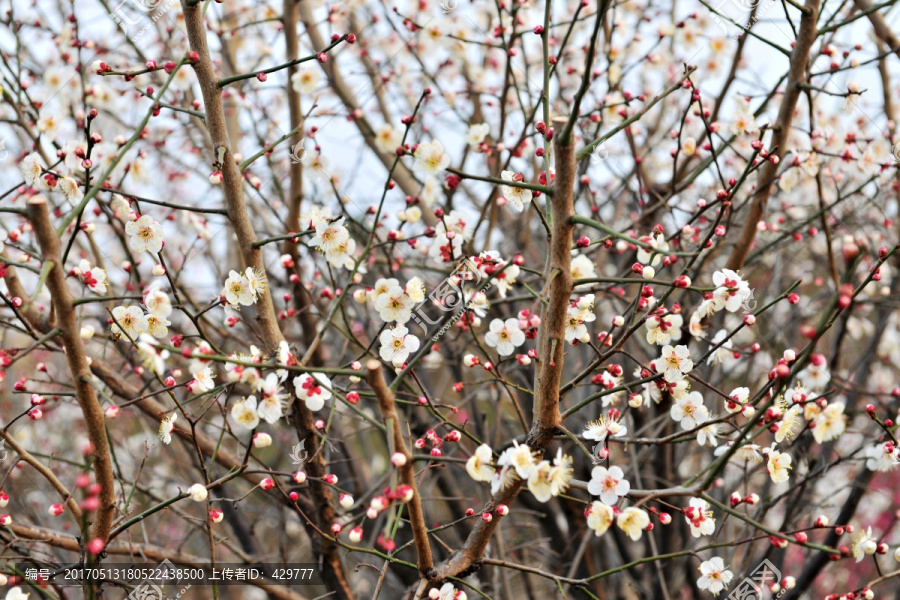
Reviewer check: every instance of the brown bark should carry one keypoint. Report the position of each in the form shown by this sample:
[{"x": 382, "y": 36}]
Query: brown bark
[
  {"x": 67, "y": 322},
  {"x": 557, "y": 289},
  {"x": 781, "y": 130},
  {"x": 300, "y": 416},
  {"x": 882, "y": 29}
]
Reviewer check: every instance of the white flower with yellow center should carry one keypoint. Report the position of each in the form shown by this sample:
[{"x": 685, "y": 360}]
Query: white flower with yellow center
[
  {"x": 505, "y": 336},
  {"x": 129, "y": 321},
  {"x": 479, "y": 465},
  {"x": 146, "y": 235},
  {"x": 633, "y": 521},
  {"x": 430, "y": 158},
  {"x": 714, "y": 576},
  {"x": 830, "y": 424},
  {"x": 518, "y": 197},
  {"x": 477, "y": 133},
  {"x": 305, "y": 81},
  {"x": 205, "y": 379},
  {"x": 31, "y": 168},
  {"x": 599, "y": 517},
  {"x": 676, "y": 362},
  {"x": 394, "y": 305},
  {"x": 244, "y": 413},
  {"x": 387, "y": 138},
  {"x": 520, "y": 458},
  {"x": 778, "y": 464},
  {"x": 397, "y": 344},
  {"x": 157, "y": 326},
  {"x": 330, "y": 236},
  {"x": 689, "y": 410},
  {"x": 237, "y": 290}
]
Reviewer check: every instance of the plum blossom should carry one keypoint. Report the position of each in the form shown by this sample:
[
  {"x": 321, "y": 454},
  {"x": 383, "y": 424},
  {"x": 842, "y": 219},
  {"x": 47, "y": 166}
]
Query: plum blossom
[
  {"x": 129, "y": 321},
  {"x": 714, "y": 576},
  {"x": 520, "y": 458},
  {"x": 662, "y": 329},
  {"x": 652, "y": 257},
  {"x": 314, "y": 389},
  {"x": 580, "y": 312},
  {"x": 166, "y": 426},
  {"x": 547, "y": 480},
  {"x": 305, "y": 81},
  {"x": 479, "y": 466},
  {"x": 31, "y": 168},
  {"x": 505, "y": 336},
  {"x": 610, "y": 484},
  {"x": 863, "y": 544},
  {"x": 244, "y": 412},
  {"x": 633, "y": 521},
  {"x": 604, "y": 427},
  {"x": 397, "y": 344},
  {"x": 146, "y": 235},
  {"x": 599, "y": 517},
  {"x": 431, "y": 158},
  {"x": 93, "y": 277},
  {"x": 330, "y": 235},
  {"x": 689, "y": 411},
  {"x": 517, "y": 197},
  {"x": 394, "y": 305},
  {"x": 676, "y": 362},
  {"x": 477, "y": 133},
  {"x": 778, "y": 464},
  {"x": 204, "y": 379},
  {"x": 882, "y": 457},
  {"x": 700, "y": 517},
  {"x": 270, "y": 407},
  {"x": 731, "y": 291}
]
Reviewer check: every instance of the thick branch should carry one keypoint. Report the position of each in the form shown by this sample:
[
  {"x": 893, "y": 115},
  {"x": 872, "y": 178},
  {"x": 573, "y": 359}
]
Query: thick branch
[
  {"x": 267, "y": 319},
  {"x": 782, "y": 128},
  {"x": 882, "y": 29},
  {"x": 67, "y": 322},
  {"x": 557, "y": 289}
]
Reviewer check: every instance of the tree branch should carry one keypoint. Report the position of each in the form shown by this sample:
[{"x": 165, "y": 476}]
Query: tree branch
[
  {"x": 67, "y": 322},
  {"x": 782, "y": 129}
]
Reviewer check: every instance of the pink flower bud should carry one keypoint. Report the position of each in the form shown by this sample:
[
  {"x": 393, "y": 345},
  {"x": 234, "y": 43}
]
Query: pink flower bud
[{"x": 95, "y": 546}]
